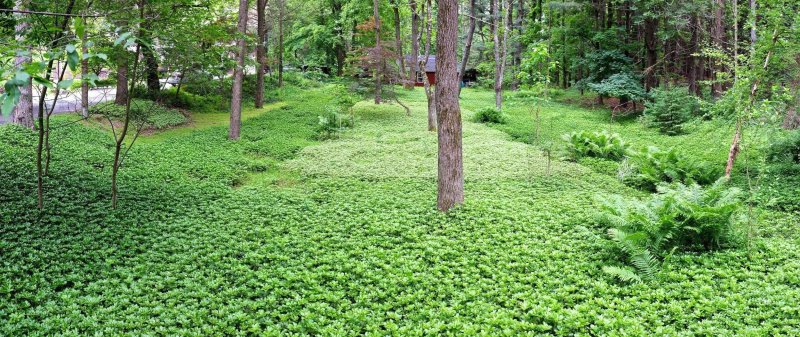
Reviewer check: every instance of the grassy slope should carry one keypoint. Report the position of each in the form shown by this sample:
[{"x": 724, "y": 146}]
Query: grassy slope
[{"x": 355, "y": 246}]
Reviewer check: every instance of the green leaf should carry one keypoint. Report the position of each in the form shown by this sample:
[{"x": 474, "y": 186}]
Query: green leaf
[
  {"x": 121, "y": 38},
  {"x": 65, "y": 84}
]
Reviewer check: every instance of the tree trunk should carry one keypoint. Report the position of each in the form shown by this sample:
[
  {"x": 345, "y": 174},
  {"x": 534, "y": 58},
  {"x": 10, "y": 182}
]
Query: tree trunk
[
  {"x": 468, "y": 45},
  {"x": 23, "y": 111},
  {"x": 651, "y": 44},
  {"x": 341, "y": 52},
  {"x": 121, "y": 96},
  {"x": 429, "y": 92},
  {"x": 691, "y": 62},
  {"x": 281, "y": 14},
  {"x": 451, "y": 175},
  {"x": 261, "y": 54},
  {"x": 84, "y": 74},
  {"x": 415, "y": 36},
  {"x": 517, "y": 57},
  {"x": 719, "y": 41},
  {"x": 398, "y": 42},
  {"x": 238, "y": 74},
  {"x": 498, "y": 58},
  {"x": 378, "y": 52},
  {"x": 151, "y": 68}
]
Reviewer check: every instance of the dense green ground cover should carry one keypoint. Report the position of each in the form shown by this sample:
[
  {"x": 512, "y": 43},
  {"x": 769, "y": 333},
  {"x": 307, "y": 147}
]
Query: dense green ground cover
[{"x": 280, "y": 234}]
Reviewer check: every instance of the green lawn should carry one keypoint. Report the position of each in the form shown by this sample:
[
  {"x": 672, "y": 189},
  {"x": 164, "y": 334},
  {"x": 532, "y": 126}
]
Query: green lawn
[{"x": 281, "y": 234}]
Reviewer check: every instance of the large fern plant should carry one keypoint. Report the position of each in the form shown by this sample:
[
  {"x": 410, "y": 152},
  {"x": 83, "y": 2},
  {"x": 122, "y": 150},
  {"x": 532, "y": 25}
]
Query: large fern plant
[
  {"x": 600, "y": 144},
  {"x": 678, "y": 218}
]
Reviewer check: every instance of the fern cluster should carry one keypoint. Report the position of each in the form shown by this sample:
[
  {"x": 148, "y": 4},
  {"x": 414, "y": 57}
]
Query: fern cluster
[
  {"x": 600, "y": 144},
  {"x": 651, "y": 166},
  {"x": 677, "y": 218}
]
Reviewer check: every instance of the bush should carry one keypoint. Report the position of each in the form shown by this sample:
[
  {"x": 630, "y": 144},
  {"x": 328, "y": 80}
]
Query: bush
[
  {"x": 196, "y": 103},
  {"x": 652, "y": 166},
  {"x": 332, "y": 123},
  {"x": 669, "y": 109},
  {"x": 785, "y": 150},
  {"x": 623, "y": 86},
  {"x": 600, "y": 144},
  {"x": 677, "y": 218},
  {"x": 489, "y": 115}
]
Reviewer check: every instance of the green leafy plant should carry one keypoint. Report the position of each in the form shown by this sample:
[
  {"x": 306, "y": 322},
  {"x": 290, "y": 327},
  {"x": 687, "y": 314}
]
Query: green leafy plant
[
  {"x": 670, "y": 109},
  {"x": 489, "y": 115},
  {"x": 332, "y": 123},
  {"x": 785, "y": 149},
  {"x": 624, "y": 86},
  {"x": 678, "y": 218},
  {"x": 154, "y": 116},
  {"x": 599, "y": 144},
  {"x": 652, "y": 166}
]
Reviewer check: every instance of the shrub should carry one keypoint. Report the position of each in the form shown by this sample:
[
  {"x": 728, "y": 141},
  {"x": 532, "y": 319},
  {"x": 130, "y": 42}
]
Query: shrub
[
  {"x": 652, "y": 166},
  {"x": 622, "y": 85},
  {"x": 600, "y": 144},
  {"x": 785, "y": 150},
  {"x": 669, "y": 109},
  {"x": 196, "y": 103},
  {"x": 332, "y": 123},
  {"x": 677, "y": 218},
  {"x": 489, "y": 115}
]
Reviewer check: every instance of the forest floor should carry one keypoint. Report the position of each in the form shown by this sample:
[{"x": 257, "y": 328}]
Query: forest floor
[{"x": 282, "y": 234}]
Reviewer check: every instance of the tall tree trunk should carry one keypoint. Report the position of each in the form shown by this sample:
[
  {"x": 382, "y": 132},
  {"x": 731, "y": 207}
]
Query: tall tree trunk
[
  {"x": 121, "y": 96},
  {"x": 719, "y": 41},
  {"x": 691, "y": 62},
  {"x": 281, "y": 14},
  {"x": 498, "y": 57},
  {"x": 415, "y": 36},
  {"x": 341, "y": 51},
  {"x": 468, "y": 45},
  {"x": 429, "y": 92},
  {"x": 451, "y": 175},
  {"x": 651, "y": 44},
  {"x": 261, "y": 53},
  {"x": 753, "y": 35},
  {"x": 23, "y": 111},
  {"x": 238, "y": 73},
  {"x": 398, "y": 42},
  {"x": 378, "y": 72},
  {"x": 84, "y": 74},
  {"x": 517, "y": 57}
]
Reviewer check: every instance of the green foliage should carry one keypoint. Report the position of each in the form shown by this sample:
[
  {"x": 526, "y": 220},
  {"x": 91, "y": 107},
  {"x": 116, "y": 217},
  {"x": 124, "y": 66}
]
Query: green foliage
[
  {"x": 488, "y": 115},
  {"x": 151, "y": 113},
  {"x": 331, "y": 124},
  {"x": 670, "y": 109},
  {"x": 785, "y": 149},
  {"x": 652, "y": 166},
  {"x": 677, "y": 218},
  {"x": 278, "y": 234},
  {"x": 196, "y": 103},
  {"x": 603, "y": 64},
  {"x": 599, "y": 144},
  {"x": 622, "y": 85}
]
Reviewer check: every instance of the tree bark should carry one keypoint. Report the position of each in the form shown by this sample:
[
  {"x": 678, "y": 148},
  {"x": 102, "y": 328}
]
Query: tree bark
[
  {"x": 719, "y": 41},
  {"x": 281, "y": 14},
  {"x": 651, "y": 44},
  {"x": 468, "y": 45},
  {"x": 23, "y": 111},
  {"x": 398, "y": 41},
  {"x": 691, "y": 62},
  {"x": 415, "y": 36},
  {"x": 378, "y": 52},
  {"x": 238, "y": 73},
  {"x": 84, "y": 74},
  {"x": 341, "y": 52},
  {"x": 451, "y": 175},
  {"x": 122, "y": 81},
  {"x": 498, "y": 58},
  {"x": 429, "y": 92},
  {"x": 261, "y": 54}
]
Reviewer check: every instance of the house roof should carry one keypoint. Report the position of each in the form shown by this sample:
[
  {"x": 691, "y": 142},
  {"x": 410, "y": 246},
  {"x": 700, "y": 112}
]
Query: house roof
[{"x": 430, "y": 65}]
